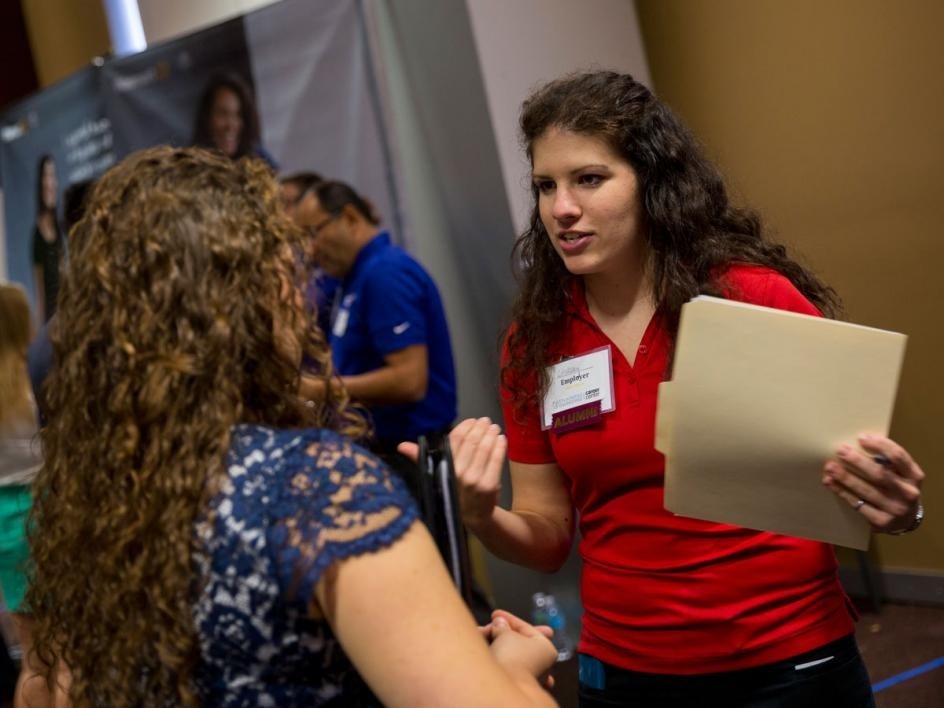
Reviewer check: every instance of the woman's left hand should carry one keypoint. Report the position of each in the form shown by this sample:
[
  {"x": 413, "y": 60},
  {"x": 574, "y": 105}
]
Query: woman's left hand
[{"x": 880, "y": 481}]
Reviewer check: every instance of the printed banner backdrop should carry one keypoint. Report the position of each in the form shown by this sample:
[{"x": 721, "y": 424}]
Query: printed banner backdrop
[
  {"x": 66, "y": 121},
  {"x": 309, "y": 65},
  {"x": 152, "y": 97}
]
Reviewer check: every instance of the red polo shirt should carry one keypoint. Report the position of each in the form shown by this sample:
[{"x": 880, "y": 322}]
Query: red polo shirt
[{"x": 665, "y": 593}]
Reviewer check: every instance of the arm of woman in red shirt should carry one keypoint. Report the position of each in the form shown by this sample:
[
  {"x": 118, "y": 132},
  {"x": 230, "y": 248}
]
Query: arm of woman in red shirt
[{"x": 538, "y": 530}]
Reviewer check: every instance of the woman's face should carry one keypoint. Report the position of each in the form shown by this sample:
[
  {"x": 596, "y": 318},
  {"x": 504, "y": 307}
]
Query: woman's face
[
  {"x": 50, "y": 184},
  {"x": 226, "y": 122},
  {"x": 589, "y": 203}
]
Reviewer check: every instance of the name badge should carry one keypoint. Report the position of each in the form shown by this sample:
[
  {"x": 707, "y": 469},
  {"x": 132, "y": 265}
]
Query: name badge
[
  {"x": 579, "y": 392},
  {"x": 340, "y": 323}
]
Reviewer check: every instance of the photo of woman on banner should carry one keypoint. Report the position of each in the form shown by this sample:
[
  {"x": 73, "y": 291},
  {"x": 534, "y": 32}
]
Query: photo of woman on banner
[
  {"x": 227, "y": 119},
  {"x": 48, "y": 243}
]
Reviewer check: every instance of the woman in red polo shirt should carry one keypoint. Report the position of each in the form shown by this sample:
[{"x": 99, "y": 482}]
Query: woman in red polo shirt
[{"x": 631, "y": 221}]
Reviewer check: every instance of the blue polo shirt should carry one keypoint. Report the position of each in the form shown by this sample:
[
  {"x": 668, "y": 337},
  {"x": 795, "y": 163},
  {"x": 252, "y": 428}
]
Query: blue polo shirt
[{"x": 388, "y": 302}]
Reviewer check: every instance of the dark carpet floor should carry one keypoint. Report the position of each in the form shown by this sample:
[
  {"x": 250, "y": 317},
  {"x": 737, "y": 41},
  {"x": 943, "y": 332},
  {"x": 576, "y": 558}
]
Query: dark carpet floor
[{"x": 896, "y": 641}]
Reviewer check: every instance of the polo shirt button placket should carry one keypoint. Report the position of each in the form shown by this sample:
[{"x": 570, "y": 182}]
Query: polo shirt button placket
[{"x": 632, "y": 389}]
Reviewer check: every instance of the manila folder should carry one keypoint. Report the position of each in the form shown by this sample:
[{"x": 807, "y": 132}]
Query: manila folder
[{"x": 760, "y": 399}]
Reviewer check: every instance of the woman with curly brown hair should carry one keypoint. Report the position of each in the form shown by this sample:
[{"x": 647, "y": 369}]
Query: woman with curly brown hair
[
  {"x": 630, "y": 221},
  {"x": 202, "y": 536}
]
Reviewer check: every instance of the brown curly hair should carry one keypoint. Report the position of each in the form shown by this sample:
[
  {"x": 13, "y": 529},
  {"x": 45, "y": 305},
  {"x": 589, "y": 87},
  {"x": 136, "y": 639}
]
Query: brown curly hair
[
  {"x": 693, "y": 231},
  {"x": 166, "y": 339}
]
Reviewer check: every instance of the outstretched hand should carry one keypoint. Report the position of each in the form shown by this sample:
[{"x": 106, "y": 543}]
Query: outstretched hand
[
  {"x": 409, "y": 449},
  {"x": 881, "y": 481},
  {"x": 478, "y": 454}
]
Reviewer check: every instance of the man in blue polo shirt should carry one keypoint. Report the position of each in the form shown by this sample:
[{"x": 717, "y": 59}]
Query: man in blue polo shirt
[{"x": 388, "y": 333}]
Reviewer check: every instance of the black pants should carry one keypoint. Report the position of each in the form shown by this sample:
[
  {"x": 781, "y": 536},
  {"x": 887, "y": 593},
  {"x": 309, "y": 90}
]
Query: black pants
[{"x": 840, "y": 682}]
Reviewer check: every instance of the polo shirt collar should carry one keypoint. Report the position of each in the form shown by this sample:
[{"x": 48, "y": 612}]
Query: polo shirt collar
[
  {"x": 576, "y": 303},
  {"x": 371, "y": 248},
  {"x": 576, "y": 306}
]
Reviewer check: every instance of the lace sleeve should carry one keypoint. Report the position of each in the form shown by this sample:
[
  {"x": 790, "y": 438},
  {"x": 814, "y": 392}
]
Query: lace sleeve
[{"x": 336, "y": 500}]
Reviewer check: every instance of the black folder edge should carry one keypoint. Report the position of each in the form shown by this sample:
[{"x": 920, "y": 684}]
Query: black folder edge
[{"x": 439, "y": 499}]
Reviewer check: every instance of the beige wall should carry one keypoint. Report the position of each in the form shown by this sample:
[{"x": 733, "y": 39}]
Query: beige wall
[
  {"x": 64, "y": 35},
  {"x": 826, "y": 116}
]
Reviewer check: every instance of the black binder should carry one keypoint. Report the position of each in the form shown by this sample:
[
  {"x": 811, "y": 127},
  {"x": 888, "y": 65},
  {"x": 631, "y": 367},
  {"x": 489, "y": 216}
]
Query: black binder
[{"x": 439, "y": 504}]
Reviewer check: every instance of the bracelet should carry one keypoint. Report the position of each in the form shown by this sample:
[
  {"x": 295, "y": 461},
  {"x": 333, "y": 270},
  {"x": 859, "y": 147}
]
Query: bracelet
[{"x": 915, "y": 522}]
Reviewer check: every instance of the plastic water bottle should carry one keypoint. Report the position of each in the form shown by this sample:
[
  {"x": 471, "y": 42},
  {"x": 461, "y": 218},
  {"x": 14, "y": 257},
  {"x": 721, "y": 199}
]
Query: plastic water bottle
[{"x": 544, "y": 610}]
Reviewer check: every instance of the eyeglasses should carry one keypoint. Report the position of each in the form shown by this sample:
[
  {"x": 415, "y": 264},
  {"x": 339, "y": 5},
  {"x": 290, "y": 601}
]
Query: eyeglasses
[
  {"x": 314, "y": 229},
  {"x": 289, "y": 202}
]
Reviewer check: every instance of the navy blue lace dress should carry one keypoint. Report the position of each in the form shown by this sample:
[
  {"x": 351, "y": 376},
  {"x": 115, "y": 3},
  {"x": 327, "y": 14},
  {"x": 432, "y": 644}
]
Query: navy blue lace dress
[{"x": 293, "y": 503}]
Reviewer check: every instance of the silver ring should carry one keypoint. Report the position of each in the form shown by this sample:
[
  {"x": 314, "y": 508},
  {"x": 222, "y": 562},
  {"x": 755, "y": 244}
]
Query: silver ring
[{"x": 859, "y": 504}]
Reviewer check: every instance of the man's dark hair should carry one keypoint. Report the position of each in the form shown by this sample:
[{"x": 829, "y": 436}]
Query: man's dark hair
[
  {"x": 334, "y": 196},
  {"x": 304, "y": 181}
]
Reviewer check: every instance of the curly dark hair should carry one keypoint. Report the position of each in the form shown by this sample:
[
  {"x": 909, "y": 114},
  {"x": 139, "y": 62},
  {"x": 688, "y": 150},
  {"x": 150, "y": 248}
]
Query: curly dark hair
[
  {"x": 693, "y": 232},
  {"x": 176, "y": 314},
  {"x": 249, "y": 135}
]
